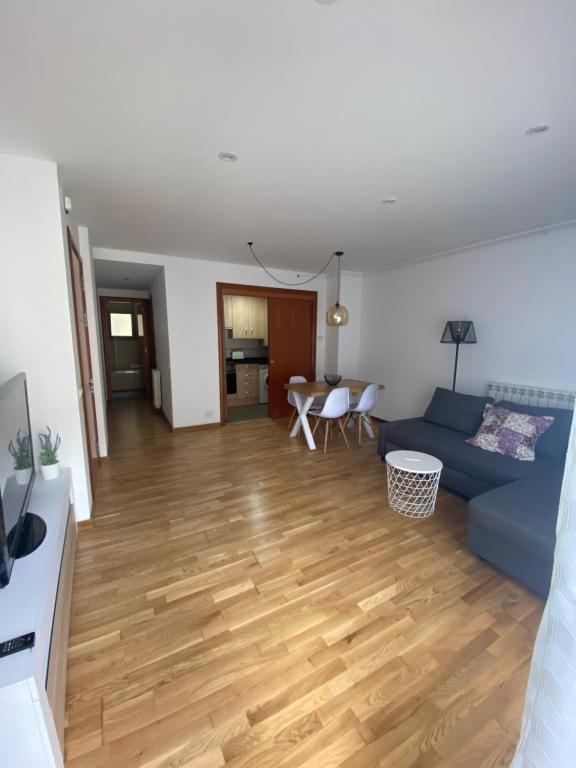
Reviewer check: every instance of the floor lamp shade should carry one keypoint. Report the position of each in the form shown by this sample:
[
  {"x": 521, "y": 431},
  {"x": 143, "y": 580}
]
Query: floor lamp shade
[{"x": 458, "y": 332}]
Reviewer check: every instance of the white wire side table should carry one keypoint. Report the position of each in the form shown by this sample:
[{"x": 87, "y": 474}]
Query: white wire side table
[{"x": 413, "y": 480}]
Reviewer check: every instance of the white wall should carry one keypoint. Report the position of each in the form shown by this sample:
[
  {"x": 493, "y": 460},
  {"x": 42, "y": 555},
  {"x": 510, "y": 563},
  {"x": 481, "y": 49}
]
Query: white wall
[
  {"x": 35, "y": 320},
  {"x": 349, "y": 336},
  {"x": 192, "y": 328},
  {"x": 162, "y": 343},
  {"x": 93, "y": 314},
  {"x": 520, "y": 295}
]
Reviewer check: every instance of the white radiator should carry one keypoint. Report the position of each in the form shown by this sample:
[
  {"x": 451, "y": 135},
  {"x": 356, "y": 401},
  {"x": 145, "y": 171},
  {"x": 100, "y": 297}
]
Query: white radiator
[
  {"x": 524, "y": 395},
  {"x": 156, "y": 388}
]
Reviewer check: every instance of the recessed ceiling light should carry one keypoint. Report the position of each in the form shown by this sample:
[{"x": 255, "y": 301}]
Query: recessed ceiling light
[
  {"x": 536, "y": 130},
  {"x": 389, "y": 200},
  {"x": 227, "y": 157}
]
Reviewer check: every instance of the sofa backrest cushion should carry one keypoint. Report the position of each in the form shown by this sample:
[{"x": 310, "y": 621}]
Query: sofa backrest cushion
[
  {"x": 554, "y": 442},
  {"x": 456, "y": 411}
]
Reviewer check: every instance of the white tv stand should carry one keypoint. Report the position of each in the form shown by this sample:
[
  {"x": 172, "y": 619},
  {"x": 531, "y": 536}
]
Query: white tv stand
[{"x": 37, "y": 599}]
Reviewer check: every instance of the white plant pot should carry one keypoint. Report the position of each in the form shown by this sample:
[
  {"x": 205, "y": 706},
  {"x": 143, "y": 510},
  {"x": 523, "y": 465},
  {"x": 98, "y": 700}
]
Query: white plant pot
[
  {"x": 23, "y": 476},
  {"x": 50, "y": 471}
]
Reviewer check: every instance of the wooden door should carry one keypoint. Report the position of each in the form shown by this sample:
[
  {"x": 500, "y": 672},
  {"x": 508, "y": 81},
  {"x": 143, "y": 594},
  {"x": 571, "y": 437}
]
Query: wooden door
[
  {"x": 142, "y": 326},
  {"x": 145, "y": 331},
  {"x": 84, "y": 358},
  {"x": 292, "y": 348}
]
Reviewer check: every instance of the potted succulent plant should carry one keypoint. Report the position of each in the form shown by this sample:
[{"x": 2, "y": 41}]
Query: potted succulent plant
[
  {"x": 49, "y": 454},
  {"x": 20, "y": 452}
]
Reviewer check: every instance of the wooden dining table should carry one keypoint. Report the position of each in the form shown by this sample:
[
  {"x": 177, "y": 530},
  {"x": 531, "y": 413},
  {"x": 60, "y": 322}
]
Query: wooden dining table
[{"x": 304, "y": 395}]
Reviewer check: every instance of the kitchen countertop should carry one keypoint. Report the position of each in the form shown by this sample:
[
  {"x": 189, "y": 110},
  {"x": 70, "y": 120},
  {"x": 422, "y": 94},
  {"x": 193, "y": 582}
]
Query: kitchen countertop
[{"x": 249, "y": 361}]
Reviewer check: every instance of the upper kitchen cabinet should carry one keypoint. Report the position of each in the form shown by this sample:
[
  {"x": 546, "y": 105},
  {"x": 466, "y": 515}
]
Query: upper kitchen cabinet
[
  {"x": 240, "y": 317},
  {"x": 249, "y": 317},
  {"x": 228, "y": 311},
  {"x": 258, "y": 315}
]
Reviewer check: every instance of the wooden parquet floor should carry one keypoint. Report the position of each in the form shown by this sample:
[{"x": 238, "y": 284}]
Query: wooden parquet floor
[{"x": 243, "y": 602}]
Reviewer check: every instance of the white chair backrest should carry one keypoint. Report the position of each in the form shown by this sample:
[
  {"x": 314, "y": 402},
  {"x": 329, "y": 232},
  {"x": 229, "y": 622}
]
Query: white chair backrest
[
  {"x": 367, "y": 400},
  {"x": 295, "y": 380},
  {"x": 337, "y": 403}
]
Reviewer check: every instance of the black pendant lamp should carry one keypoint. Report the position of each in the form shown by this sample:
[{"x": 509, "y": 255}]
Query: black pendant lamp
[
  {"x": 337, "y": 314},
  {"x": 458, "y": 332}
]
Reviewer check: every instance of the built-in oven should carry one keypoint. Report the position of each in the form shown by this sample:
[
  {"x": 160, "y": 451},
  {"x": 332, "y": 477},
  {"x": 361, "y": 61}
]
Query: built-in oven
[{"x": 230, "y": 379}]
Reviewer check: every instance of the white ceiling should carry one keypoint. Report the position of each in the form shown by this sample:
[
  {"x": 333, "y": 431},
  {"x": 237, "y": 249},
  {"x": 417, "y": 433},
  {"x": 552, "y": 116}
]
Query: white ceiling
[
  {"x": 127, "y": 276},
  {"x": 331, "y": 108}
]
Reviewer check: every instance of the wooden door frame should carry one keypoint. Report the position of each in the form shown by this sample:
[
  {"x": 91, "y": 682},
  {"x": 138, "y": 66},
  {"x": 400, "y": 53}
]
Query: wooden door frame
[
  {"x": 74, "y": 253},
  {"x": 237, "y": 289},
  {"x": 150, "y": 358}
]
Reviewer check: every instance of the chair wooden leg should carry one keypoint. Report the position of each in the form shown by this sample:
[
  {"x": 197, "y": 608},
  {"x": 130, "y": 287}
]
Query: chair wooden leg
[
  {"x": 292, "y": 416},
  {"x": 316, "y": 425},
  {"x": 343, "y": 432},
  {"x": 347, "y": 419},
  {"x": 360, "y": 429},
  {"x": 373, "y": 425},
  {"x": 326, "y": 429}
]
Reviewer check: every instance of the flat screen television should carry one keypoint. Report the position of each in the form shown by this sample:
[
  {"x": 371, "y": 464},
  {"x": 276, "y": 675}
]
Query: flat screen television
[{"x": 16, "y": 470}]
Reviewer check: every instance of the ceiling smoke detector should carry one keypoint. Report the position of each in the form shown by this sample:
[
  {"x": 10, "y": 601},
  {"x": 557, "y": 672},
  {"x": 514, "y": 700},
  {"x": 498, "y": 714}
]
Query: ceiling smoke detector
[
  {"x": 227, "y": 157},
  {"x": 389, "y": 200},
  {"x": 537, "y": 130}
]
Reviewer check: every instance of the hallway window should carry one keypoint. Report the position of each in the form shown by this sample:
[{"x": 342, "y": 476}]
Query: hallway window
[{"x": 120, "y": 324}]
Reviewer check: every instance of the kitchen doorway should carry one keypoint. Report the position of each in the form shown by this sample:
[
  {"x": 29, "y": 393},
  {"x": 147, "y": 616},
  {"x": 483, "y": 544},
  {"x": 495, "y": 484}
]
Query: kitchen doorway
[
  {"x": 128, "y": 341},
  {"x": 265, "y": 336},
  {"x": 246, "y": 356}
]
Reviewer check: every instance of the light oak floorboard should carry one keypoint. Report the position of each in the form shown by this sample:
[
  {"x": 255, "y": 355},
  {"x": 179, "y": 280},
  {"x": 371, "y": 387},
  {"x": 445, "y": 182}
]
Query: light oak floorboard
[{"x": 243, "y": 602}]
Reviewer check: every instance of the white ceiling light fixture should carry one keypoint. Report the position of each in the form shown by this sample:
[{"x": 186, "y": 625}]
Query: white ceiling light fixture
[
  {"x": 337, "y": 314},
  {"x": 227, "y": 157},
  {"x": 537, "y": 130}
]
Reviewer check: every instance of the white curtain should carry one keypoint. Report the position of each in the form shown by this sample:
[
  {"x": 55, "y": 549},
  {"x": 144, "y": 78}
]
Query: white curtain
[{"x": 548, "y": 738}]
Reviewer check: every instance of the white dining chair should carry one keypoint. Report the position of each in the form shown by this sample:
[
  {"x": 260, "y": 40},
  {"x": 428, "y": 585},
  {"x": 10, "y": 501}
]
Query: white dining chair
[
  {"x": 333, "y": 411},
  {"x": 291, "y": 400},
  {"x": 360, "y": 412}
]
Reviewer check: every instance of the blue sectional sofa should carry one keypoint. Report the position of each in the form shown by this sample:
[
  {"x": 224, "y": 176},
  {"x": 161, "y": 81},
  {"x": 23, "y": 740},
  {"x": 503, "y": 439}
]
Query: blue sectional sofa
[{"x": 513, "y": 504}]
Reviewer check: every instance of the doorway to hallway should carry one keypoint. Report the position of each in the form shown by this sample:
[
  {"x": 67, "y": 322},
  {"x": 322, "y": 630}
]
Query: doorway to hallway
[{"x": 129, "y": 350}]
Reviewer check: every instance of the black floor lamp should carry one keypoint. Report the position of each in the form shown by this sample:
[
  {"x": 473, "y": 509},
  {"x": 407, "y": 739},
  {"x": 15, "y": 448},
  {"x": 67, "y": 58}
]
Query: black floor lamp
[{"x": 458, "y": 332}]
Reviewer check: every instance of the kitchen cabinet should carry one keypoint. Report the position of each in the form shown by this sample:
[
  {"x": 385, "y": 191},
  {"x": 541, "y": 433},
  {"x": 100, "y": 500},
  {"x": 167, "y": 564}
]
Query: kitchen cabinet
[
  {"x": 247, "y": 385},
  {"x": 227, "y": 311},
  {"x": 240, "y": 319},
  {"x": 249, "y": 317},
  {"x": 258, "y": 315}
]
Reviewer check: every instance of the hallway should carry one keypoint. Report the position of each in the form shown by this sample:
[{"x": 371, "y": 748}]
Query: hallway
[{"x": 241, "y": 601}]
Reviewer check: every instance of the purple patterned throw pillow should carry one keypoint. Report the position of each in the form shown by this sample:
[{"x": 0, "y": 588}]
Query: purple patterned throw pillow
[{"x": 511, "y": 433}]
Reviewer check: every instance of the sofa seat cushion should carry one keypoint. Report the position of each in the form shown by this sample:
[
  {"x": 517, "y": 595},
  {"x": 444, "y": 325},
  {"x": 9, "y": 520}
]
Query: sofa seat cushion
[
  {"x": 451, "y": 448},
  {"x": 523, "y": 513},
  {"x": 456, "y": 411}
]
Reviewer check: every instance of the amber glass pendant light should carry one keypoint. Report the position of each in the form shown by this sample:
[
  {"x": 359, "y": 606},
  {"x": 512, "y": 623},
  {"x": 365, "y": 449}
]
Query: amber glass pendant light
[{"x": 337, "y": 314}]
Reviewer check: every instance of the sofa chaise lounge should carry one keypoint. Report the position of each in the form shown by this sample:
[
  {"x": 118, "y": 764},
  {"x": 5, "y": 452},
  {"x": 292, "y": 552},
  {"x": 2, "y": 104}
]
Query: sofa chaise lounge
[{"x": 513, "y": 504}]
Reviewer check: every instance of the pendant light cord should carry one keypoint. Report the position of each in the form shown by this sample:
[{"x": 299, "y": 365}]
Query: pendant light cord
[{"x": 303, "y": 282}]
